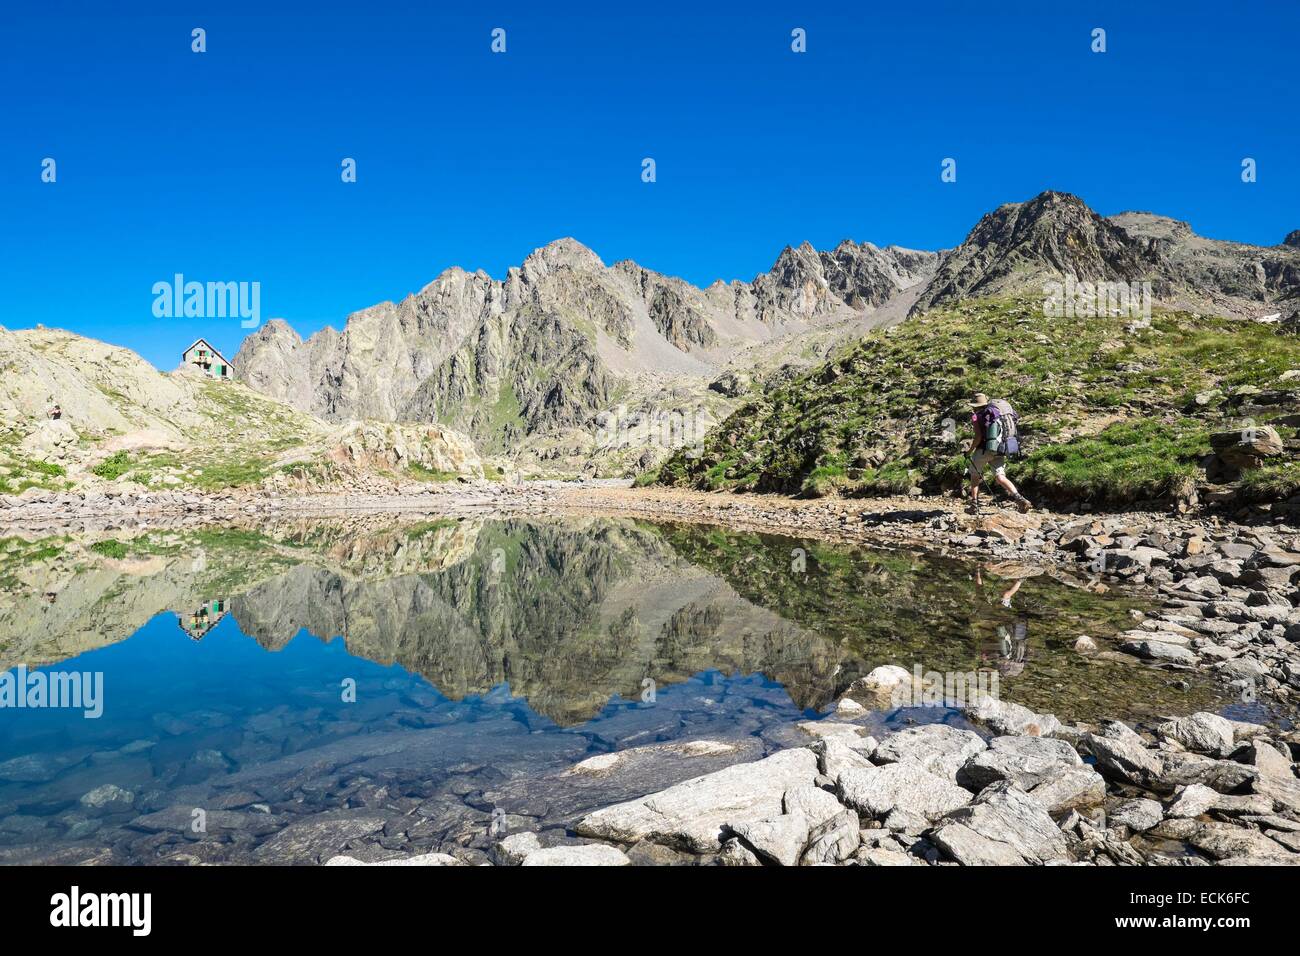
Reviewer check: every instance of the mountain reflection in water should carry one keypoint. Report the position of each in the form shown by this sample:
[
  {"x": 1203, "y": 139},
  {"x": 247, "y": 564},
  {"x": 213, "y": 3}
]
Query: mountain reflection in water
[{"x": 476, "y": 656}]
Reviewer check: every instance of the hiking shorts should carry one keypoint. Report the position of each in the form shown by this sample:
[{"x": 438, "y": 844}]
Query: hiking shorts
[{"x": 982, "y": 460}]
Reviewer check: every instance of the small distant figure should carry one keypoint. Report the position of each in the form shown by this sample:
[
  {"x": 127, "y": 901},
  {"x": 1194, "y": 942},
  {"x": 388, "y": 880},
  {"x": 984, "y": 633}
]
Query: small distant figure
[{"x": 55, "y": 412}]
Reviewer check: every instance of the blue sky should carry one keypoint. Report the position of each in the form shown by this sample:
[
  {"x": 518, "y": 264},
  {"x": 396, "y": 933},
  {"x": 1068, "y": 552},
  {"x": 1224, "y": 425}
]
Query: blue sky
[{"x": 225, "y": 165}]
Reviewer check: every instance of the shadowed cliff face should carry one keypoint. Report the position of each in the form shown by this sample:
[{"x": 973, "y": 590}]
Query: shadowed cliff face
[{"x": 571, "y": 614}]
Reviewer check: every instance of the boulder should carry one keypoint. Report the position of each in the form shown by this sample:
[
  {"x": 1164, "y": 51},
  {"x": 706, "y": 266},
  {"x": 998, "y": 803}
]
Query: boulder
[
  {"x": 1013, "y": 828},
  {"x": 1202, "y": 733},
  {"x": 1138, "y": 815},
  {"x": 691, "y": 815},
  {"x": 1025, "y": 761},
  {"x": 423, "y": 859},
  {"x": 1245, "y": 448},
  {"x": 1121, "y": 753},
  {"x": 883, "y": 856},
  {"x": 885, "y": 686},
  {"x": 877, "y": 791},
  {"x": 513, "y": 849},
  {"x": 1074, "y": 789},
  {"x": 588, "y": 854},
  {"x": 780, "y": 840},
  {"x": 735, "y": 853},
  {"x": 837, "y": 754},
  {"x": 833, "y": 840},
  {"x": 1010, "y": 719},
  {"x": 1163, "y": 652},
  {"x": 813, "y": 803},
  {"x": 940, "y": 749}
]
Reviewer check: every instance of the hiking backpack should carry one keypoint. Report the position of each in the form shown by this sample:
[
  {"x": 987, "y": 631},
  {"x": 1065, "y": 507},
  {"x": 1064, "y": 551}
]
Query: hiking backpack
[{"x": 1009, "y": 444}]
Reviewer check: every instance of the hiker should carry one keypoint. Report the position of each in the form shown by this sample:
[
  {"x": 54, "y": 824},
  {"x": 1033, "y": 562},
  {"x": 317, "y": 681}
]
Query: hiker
[
  {"x": 55, "y": 412},
  {"x": 989, "y": 449}
]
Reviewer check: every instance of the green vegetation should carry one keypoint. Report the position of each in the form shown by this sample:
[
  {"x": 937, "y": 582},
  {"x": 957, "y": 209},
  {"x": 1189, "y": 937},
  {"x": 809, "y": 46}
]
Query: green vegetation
[
  {"x": 1126, "y": 462},
  {"x": 113, "y": 467},
  {"x": 1109, "y": 412},
  {"x": 109, "y": 548},
  {"x": 18, "y": 472},
  {"x": 1273, "y": 481}
]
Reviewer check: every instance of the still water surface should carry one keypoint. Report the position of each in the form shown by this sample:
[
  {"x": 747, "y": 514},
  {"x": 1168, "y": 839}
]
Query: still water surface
[{"x": 396, "y": 685}]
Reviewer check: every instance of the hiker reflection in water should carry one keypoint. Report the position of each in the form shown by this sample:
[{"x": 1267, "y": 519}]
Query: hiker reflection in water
[{"x": 1012, "y": 639}]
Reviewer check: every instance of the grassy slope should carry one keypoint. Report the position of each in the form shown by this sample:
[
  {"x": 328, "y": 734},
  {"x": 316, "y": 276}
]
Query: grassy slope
[
  {"x": 1107, "y": 414},
  {"x": 240, "y": 435},
  {"x": 243, "y": 435}
]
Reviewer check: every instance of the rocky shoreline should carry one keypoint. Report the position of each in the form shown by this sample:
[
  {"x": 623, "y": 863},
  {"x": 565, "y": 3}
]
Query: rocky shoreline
[{"x": 1021, "y": 789}]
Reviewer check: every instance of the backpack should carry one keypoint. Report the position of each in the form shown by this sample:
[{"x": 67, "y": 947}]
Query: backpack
[{"x": 1009, "y": 444}]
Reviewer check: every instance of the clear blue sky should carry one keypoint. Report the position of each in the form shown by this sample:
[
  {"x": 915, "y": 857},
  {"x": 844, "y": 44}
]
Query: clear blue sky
[{"x": 225, "y": 165}]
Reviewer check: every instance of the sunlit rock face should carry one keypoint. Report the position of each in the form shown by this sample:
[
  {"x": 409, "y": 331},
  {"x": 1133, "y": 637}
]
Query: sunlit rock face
[{"x": 537, "y": 356}]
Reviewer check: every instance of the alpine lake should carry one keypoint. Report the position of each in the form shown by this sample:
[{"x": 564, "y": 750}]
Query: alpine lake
[{"x": 263, "y": 692}]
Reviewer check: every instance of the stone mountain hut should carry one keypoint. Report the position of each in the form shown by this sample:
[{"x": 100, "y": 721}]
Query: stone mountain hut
[{"x": 213, "y": 364}]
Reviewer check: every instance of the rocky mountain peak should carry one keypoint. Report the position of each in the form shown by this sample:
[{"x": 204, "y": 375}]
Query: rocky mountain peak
[
  {"x": 277, "y": 329},
  {"x": 1021, "y": 245},
  {"x": 566, "y": 253},
  {"x": 1292, "y": 239}
]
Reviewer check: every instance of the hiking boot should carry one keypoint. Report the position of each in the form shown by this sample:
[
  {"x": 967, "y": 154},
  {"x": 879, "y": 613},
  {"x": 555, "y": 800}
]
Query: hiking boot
[
  {"x": 973, "y": 508},
  {"x": 1023, "y": 503}
]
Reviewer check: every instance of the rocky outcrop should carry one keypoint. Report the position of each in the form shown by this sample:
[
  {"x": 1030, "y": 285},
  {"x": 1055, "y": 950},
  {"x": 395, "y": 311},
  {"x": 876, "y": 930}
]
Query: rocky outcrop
[
  {"x": 697, "y": 814},
  {"x": 891, "y": 809},
  {"x": 369, "y": 446},
  {"x": 1021, "y": 246}
]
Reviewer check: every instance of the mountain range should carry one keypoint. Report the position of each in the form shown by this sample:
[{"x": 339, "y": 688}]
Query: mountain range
[{"x": 571, "y": 365}]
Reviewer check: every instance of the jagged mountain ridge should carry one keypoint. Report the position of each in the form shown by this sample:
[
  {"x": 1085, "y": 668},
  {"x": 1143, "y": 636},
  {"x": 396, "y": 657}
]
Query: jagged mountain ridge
[
  {"x": 530, "y": 366},
  {"x": 565, "y": 337}
]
